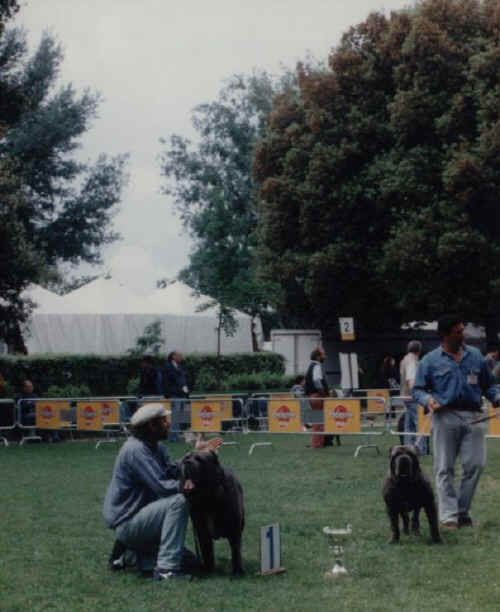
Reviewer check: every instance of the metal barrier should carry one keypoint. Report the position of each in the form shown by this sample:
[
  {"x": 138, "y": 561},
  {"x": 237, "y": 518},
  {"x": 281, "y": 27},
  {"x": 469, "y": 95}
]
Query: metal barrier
[
  {"x": 26, "y": 419},
  {"x": 276, "y": 414},
  {"x": 198, "y": 414},
  {"x": 8, "y": 418},
  {"x": 98, "y": 414},
  {"x": 424, "y": 422}
]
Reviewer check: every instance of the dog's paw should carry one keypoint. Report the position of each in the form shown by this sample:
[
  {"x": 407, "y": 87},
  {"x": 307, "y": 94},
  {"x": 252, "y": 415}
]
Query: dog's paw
[{"x": 393, "y": 540}]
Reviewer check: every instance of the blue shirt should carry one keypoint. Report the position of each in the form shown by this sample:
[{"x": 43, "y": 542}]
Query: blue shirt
[
  {"x": 142, "y": 474},
  {"x": 455, "y": 385}
]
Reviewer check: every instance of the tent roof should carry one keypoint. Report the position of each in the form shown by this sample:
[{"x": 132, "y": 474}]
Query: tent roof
[{"x": 108, "y": 296}]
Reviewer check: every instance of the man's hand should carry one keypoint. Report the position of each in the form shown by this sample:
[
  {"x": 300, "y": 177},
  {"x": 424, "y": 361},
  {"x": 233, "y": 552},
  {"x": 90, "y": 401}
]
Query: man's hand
[
  {"x": 188, "y": 485},
  {"x": 208, "y": 445},
  {"x": 433, "y": 405}
]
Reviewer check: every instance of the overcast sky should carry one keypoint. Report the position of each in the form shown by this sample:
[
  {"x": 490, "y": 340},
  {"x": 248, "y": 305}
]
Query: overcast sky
[{"x": 155, "y": 60}]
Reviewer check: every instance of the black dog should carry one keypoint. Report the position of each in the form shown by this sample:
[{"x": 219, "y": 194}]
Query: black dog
[
  {"x": 407, "y": 489},
  {"x": 216, "y": 506}
]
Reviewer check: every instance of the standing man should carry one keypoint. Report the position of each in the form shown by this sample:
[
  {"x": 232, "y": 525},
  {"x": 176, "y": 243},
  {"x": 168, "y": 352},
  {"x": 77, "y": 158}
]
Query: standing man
[
  {"x": 449, "y": 382},
  {"x": 150, "y": 380},
  {"x": 175, "y": 386},
  {"x": 316, "y": 387},
  {"x": 144, "y": 503},
  {"x": 407, "y": 373}
]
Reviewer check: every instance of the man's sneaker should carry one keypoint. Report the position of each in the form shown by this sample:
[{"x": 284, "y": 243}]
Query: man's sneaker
[
  {"x": 164, "y": 574},
  {"x": 116, "y": 561},
  {"x": 464, "y": 520}
]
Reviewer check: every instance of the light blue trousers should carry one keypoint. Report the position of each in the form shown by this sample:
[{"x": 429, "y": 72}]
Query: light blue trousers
[
  {"x": 159, "y": 526},
  {"x": 453, "y": 437}
]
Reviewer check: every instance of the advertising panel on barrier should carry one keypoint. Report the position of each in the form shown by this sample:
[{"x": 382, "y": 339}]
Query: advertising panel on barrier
[
  {"x": 342, "y": 416},
  {"x": 110, "y": 411},
  {"x": 424, "y": 421},
  {"x": 494, "y": 422},
  {"x": 205, "y": 416},
  {"x": 48, "y": 414},
  {"x": 377, "y": 405},
  {"x": 226, "y": 407},
  {"x": 284, "y": 416},
  {"x": 89, "y": 416}
]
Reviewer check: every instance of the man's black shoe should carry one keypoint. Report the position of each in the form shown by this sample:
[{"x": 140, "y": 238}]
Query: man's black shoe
[{"x": 464, "y": 520}]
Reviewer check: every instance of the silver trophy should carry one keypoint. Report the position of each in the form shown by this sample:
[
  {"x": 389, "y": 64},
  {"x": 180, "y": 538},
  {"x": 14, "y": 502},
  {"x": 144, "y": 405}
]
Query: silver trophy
[{"x": 335, "y": 539}]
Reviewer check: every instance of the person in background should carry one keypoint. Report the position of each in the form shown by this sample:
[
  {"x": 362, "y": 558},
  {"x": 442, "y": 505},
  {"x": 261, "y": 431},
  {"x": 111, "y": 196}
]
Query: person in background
[
  {"x": 298, "y": 388},
  {"x": 26, "y": 404},
  {"x": 175, "y": 386},
  {"x": 27, "y": 411},
  {"x": 492, "y": 355},
  {"x": 407, "y": 373},
  {"x": 150, "y": 378},
  {"x": 389, "y": 379},
  {"x": 450, "y": 382},
  {"x": 317, "y": 387},
  {"x": 388, "y": 374}
]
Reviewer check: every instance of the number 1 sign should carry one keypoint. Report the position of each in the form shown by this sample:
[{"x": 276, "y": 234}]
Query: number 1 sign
[{"x": 270, "y": 550}]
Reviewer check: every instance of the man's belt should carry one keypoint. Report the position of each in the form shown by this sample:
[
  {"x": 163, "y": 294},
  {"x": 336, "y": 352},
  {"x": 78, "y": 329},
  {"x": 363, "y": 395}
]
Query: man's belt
[{"x": 461, "y": 405}]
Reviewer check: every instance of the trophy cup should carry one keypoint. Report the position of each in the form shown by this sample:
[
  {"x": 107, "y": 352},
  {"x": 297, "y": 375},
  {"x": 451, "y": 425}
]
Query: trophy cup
[{"x": 335, "y": 539}]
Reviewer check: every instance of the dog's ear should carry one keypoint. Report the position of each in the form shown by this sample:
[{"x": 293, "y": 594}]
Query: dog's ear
[{"x": 187, "y": 456}]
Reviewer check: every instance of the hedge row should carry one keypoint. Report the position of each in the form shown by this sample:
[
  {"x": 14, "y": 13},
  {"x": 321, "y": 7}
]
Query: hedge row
[{"x": 111, "y": 375}]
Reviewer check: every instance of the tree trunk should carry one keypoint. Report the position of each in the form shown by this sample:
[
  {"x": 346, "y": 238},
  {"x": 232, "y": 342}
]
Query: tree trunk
[
  {"x": 255, "y": 344},
  {"x": 219, "y": 331},
  {"x": 15, "y": 341}
]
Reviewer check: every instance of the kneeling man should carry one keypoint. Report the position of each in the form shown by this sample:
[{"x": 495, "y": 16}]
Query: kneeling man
[{"x": 144, "y": 503}]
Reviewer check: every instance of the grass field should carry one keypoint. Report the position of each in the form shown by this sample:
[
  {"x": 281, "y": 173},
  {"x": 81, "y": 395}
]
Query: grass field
[{"x": 54, "y": 545}]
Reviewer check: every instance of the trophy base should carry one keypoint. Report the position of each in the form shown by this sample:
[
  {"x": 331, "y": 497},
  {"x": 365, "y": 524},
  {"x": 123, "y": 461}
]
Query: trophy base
[{"x": 337, "y": 571}]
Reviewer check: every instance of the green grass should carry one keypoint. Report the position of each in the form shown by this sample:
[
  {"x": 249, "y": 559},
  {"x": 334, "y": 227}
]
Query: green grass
[{"x": 54, "y": 545}]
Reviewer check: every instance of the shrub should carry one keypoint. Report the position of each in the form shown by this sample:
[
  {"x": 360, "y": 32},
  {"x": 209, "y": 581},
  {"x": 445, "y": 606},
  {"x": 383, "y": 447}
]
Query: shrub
[
  {"x": 133, "y": 386},
  {"x": 68, "y": 391},
  {"x": 111, "y": 375}
]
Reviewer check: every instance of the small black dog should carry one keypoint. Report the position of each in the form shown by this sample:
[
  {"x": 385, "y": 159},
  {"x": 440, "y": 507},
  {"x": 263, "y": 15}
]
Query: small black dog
[
  {"x": 216, "y": 506},
  {"x": 407, "y": 489}
]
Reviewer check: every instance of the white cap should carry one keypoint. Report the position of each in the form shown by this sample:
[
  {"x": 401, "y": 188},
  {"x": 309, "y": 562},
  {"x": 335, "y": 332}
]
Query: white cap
[{"x": 147, "y": 413}]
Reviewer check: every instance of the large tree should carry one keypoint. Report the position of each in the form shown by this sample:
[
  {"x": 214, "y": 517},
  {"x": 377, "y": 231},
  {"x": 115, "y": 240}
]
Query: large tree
[
  {"x": 68, "y": 204},
  {"x": 212, "y": 185},
  {"x": 19, "y": 262},
  {"x": 380, "y": 184}
]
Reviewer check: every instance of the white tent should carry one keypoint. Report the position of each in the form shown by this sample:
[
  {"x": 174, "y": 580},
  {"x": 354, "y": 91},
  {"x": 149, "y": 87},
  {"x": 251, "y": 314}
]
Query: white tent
[{"x": 104, "y": 317}]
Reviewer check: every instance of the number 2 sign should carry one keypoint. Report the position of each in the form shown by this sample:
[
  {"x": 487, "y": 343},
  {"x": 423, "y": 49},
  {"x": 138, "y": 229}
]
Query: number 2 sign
[{"x": 346, "y": 328}]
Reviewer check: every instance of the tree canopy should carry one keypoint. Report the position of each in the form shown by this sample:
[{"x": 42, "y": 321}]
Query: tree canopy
[
  {"x": 380, "y": 182},
  {"x": 65, "y": 206},
  {"x": 211, "y": 182}
]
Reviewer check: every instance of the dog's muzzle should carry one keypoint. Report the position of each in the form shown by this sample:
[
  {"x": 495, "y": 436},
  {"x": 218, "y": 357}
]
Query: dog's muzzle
[{"x": 403, "y": 467}]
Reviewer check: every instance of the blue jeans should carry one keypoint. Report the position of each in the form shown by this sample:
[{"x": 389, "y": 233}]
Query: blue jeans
[
  {"x": 159, "y": 526},
  {"x": 411, "y": 417},
  {"x": 177, "y": 409},
  {"x": 453, "y": 438}
]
